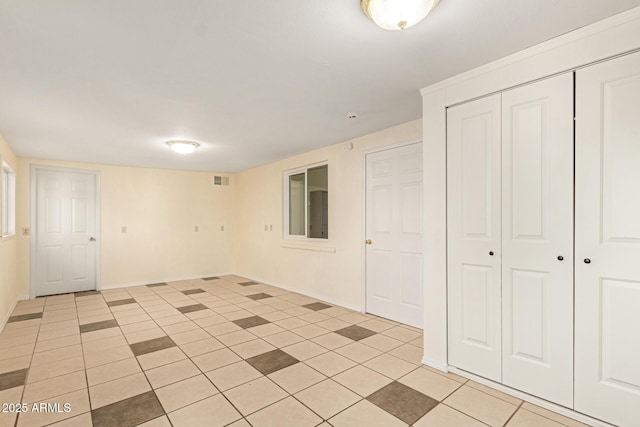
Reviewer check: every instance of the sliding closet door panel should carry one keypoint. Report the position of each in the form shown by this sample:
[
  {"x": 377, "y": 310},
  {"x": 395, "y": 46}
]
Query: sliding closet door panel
[
  {"x": 608, "y": 236},
  {"x": 537, "y": 239},
  {"x": 473, "y": 204}
]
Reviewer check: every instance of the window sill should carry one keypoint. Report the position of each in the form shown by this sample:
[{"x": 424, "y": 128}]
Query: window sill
[
  {"x": 8, "y": 237},
  {"x": 313, "y": 248}
]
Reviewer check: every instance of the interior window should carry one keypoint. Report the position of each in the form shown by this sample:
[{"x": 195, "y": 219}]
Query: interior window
[{"x": 308, "y": 202}]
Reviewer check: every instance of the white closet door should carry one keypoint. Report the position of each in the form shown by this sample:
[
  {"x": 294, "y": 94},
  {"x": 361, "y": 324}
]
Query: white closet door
[
  {"x": 537, "y": 239},
  {"x": 473, "y": 204},
  {"x": 607, "y": 383}
]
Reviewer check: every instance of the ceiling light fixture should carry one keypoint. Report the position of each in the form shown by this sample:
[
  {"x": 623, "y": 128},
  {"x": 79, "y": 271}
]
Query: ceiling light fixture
[
  {"x": 183, "y": 147},
  {"x": 395, "y": 15}
]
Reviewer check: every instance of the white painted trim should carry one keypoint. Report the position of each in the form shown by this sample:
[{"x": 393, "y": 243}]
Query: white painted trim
[
  {"x": 285, "y": 203},
  {"x": 365, "y": 153},
  {"x": 435, "y": 365},
  {"x": 532, "y": 399},
  {"x": 608, "y": 38},
  {"x": 301, "y": 292},
  {"x": 33, "y": 170},
  {"x": 151, "y": 282},
  {"x": 13, "y": 307},
  {"x": 565, "y": 41}
]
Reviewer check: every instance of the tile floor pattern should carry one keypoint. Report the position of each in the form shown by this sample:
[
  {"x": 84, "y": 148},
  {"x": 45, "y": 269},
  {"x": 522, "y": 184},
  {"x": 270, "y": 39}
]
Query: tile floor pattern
[{"x": 228, "y": 351}]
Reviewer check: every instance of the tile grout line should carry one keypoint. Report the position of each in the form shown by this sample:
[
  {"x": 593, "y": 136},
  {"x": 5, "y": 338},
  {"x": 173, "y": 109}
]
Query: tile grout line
[{"x": 221, "y": 297}]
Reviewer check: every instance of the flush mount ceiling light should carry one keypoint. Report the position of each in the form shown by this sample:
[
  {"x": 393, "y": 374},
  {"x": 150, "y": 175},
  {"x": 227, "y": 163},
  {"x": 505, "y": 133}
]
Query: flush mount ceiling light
[
  {"x": 183, "y": 147},
  {"x": 395, "y": 15}
]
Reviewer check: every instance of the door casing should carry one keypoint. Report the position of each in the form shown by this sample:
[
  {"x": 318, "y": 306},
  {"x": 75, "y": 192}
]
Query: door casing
[{"x": 33, "y": 173}]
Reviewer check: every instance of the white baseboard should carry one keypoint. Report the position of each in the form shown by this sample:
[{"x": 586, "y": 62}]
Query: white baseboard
[
  {"x": 13, "y": 307},
  {"x": 435, "y": 365},
  {"x": 570, "y": 413},
  {"x": 305, "y": 293},
  {"x": 151, "y": 282}
]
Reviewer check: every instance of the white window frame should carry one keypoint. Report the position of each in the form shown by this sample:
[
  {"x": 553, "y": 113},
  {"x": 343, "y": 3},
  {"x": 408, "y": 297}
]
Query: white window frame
[
  {"x": 8, "y": 182},
  {"x": 285, "y": 215}
]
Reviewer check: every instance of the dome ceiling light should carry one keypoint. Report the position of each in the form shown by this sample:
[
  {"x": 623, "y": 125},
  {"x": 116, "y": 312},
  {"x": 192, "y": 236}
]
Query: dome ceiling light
[
  {"x": 183, "y": 147},
  {"x": 396, "y": 15}
]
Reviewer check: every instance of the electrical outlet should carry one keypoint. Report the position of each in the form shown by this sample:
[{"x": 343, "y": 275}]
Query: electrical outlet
[
  {"x": 270, "y": 227},
  {"x": 25, "y": 231},
  {"x": 124, "y": 228},
  {"x": 222, "y": 228},
  {"x": 266, "y": 227},
  {"x": 196, "y": 228}
]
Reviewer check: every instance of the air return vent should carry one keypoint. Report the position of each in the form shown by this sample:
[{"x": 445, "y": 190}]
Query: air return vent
[{"x": 221, "y": 180}]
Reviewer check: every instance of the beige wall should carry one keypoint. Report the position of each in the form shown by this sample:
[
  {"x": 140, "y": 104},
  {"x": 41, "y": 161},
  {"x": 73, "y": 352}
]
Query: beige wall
[
  {"x": 264, "y": 255},
  {"x": 160, "y": 209},
  {"x": 9, "y": 289}
]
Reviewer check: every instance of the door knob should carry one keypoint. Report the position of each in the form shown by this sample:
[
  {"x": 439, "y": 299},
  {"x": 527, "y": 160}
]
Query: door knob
[
  {"x": 368, "y": 241},
  {"x": 587, "y": 261},
  {"x": 560, "y": 258},
  {"x": 491, "y": 253},
  {"x": 92, "y": 239}
]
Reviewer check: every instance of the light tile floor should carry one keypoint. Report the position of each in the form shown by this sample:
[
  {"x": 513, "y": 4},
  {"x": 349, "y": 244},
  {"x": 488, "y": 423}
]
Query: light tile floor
[{"x": 229, "y": 351}]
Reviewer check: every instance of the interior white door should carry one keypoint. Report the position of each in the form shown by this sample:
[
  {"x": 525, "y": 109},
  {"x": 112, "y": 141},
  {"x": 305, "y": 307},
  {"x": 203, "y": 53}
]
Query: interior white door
[
  {"x": 473, "y": 229},
  {"x": 65, "y": 230},
  {"x": 607, "y": 358},
  {"x": 537, "y": 239},
  {"x": 394, "y": 228}
]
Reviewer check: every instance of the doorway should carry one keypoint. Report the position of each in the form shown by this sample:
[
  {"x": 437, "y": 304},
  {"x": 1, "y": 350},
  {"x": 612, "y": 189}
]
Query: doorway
[
  {"x": 393, "y": 227},
  {"x": 65, "y": 230}
]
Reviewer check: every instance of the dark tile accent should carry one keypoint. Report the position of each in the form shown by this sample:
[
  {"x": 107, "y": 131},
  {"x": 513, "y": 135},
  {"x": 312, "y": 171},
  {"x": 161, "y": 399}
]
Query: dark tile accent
[
  {"x": 86, "y": 293},
  {"x": 21, "y": 317},
  {"x": 121, "y": 302},
  {"x": 210, "y": 278},
  {"x": 256, "y": 297},
  {"x": 248, "y": 283},
  {"x": 355, "y": 332},
  {"x": 250, "y": 322},
  {"x": 129, "y": 412},
  {"x": 190, "y": 308},
  {"x": 105, "y": 324},
  {"x": 403, "y": 402},
  {"x": 13, "y": 379},
  {"x": 150, "y": 346},
  {"x": 192, "y": 291},
  {"x": 317, "y": 306},
  {"x": 271, "y": 361},
  {"x": 155, "y": 285}
]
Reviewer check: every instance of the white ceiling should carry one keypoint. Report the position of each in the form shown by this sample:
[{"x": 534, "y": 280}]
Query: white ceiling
[{"x": 108, "y": 81}]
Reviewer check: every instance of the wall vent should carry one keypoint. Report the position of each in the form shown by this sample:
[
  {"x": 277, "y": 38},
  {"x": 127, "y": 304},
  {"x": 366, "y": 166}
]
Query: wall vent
[{"x": 221, "y": 180}]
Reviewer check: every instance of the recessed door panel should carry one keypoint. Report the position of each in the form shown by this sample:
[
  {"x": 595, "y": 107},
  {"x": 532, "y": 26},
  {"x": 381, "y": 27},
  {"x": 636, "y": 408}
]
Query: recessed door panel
[
  {"x": 473, "y": 231},
  {"x": 79, "y": 262},
  {"x": 411, "y": 209},
  {"x": 607, "y": 373},
  {"x": 382, "y": 202},
  {"x": 79, "y": 215},
  {"x": 619, "y": 307},
  {"x": 477, "y": 177},
  {"x": 411, "y": 280},
  {"x": 620, "y": 153},
  {"x": 477, "y": 306},
  {"x": 530, "y": 315},
  {"x": 529, "y": 151},
  {"x": 53, "y": 214},
  {"x": 54, "y": 264}
]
